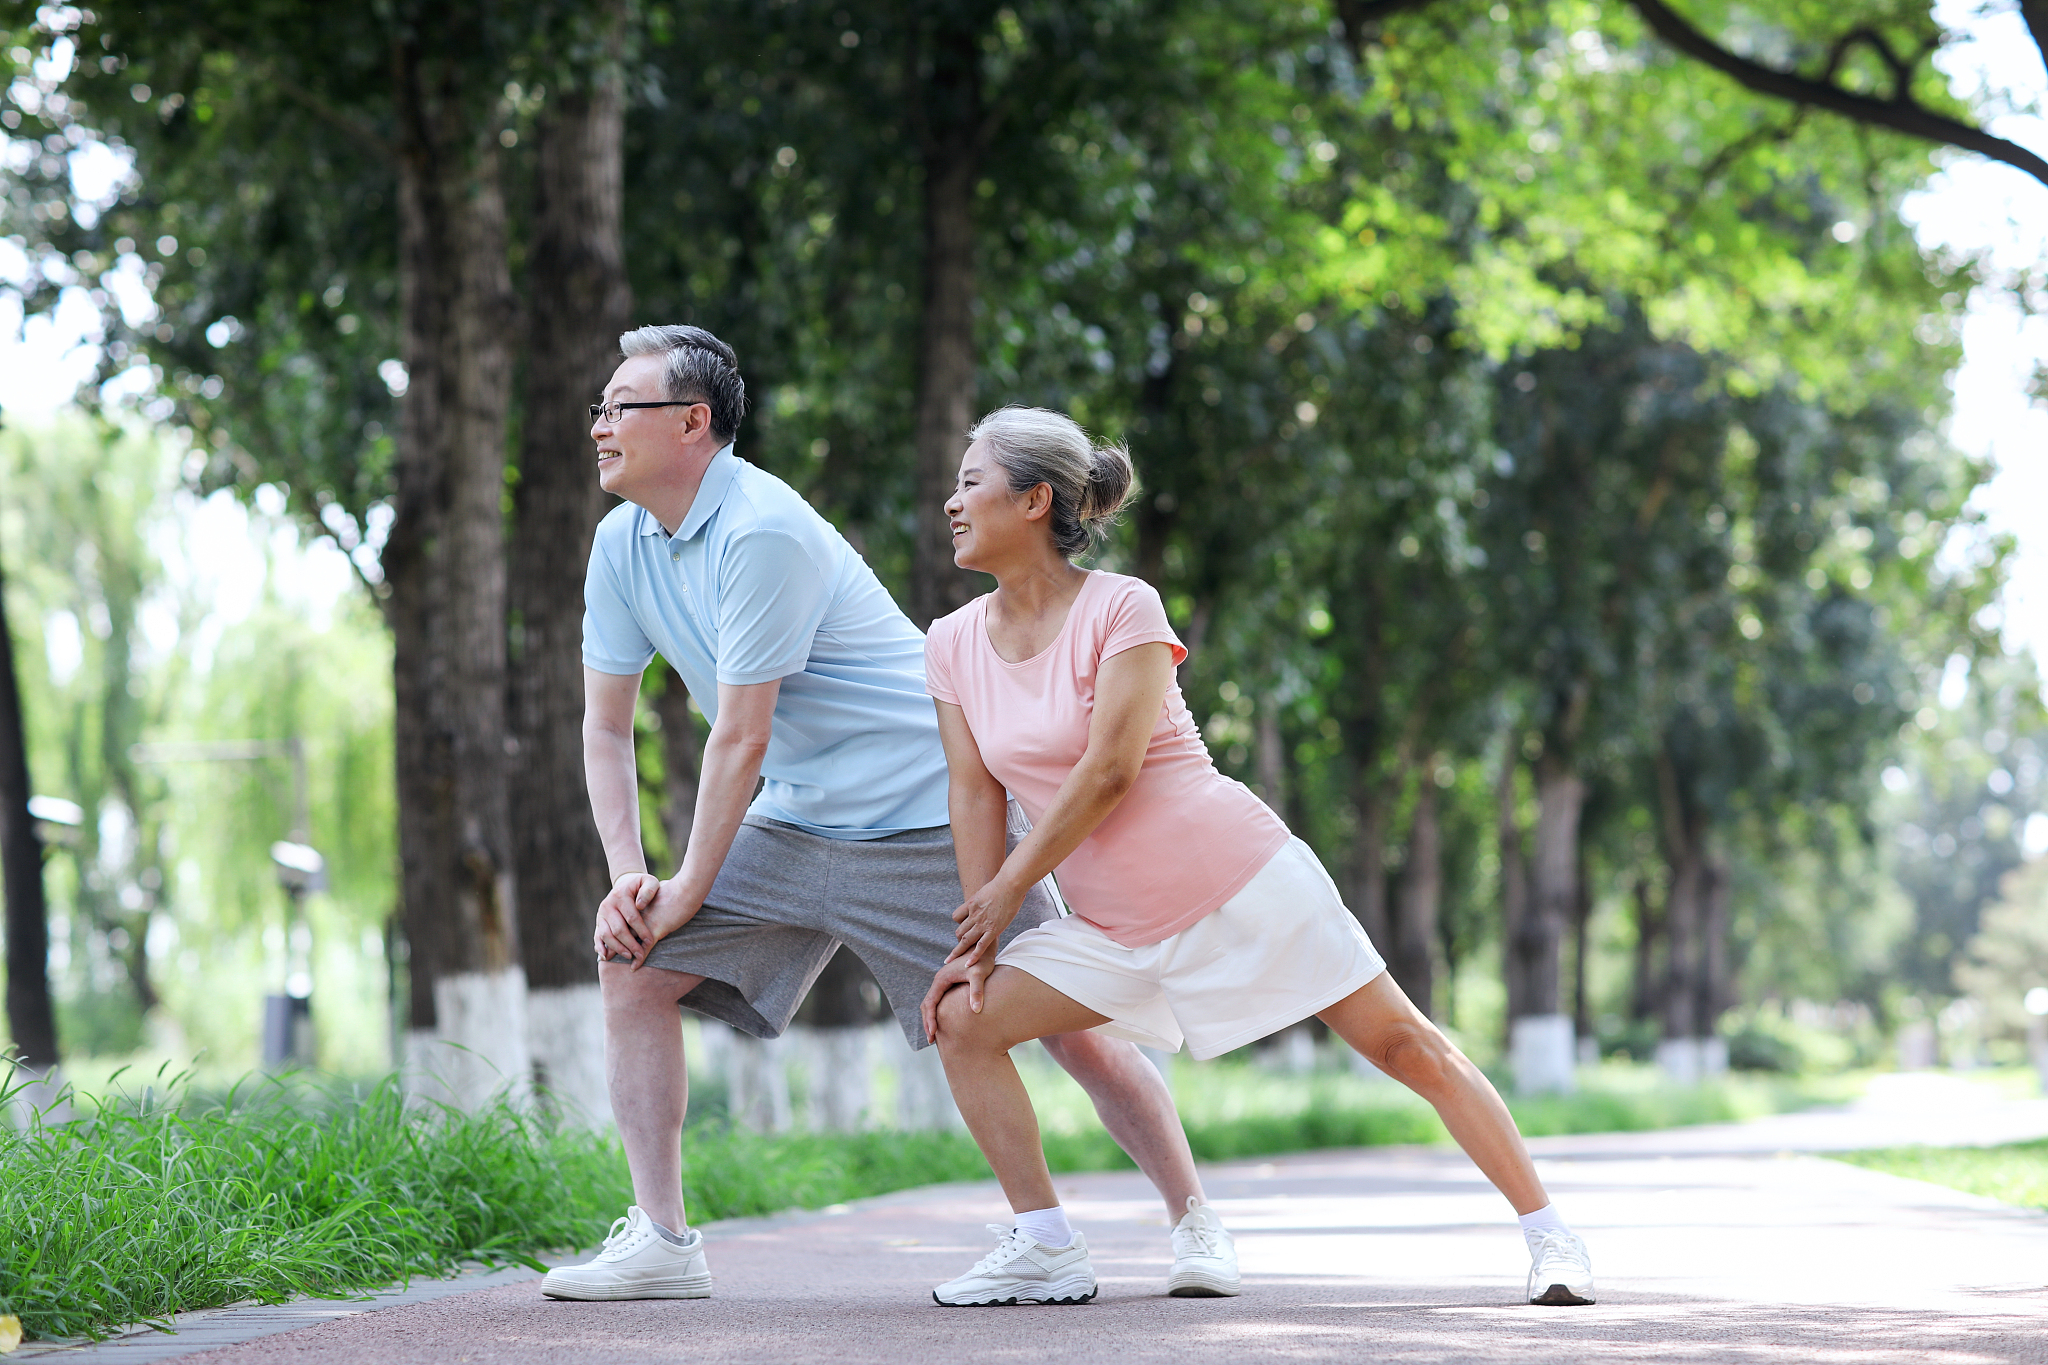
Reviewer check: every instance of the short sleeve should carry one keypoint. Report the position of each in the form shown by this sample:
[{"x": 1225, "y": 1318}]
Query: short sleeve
[
  {"x": 772, "y": 597},
  {"x": 1136, "y": 616},
  {"x": 939, "y": 647},
  {"x": 612, "y": 639}
]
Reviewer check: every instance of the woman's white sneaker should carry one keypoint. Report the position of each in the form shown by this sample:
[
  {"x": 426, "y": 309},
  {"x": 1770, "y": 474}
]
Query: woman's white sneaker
[
  {"x": 1204, "y": 1257},
  {"x": 637, "y": 1262},
  {"x": 1019, "y": 1270},
  {"x": 1560, "y": 1270}
]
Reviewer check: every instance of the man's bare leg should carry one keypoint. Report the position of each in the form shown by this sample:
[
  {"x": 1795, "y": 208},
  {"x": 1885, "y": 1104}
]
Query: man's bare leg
[
  {"x": 1132, "y": 1100},
  {"x": 649, "y": 1080}
]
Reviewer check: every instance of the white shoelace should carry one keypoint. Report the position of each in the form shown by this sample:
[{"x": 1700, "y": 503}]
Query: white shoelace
[
  {"x": 1554, "y": 1245},
  {"x": 1207, "y": 1241},
  {"x": 1007, "y": 1250},
  {"x": 622, "y": 1240}
]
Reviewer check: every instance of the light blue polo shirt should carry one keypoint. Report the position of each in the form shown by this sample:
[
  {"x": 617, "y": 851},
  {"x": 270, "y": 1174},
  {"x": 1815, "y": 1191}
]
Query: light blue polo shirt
[{"x": 754, "y": 586}]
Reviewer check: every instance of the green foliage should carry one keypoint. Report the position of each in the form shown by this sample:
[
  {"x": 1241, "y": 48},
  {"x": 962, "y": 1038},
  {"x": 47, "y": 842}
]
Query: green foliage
[
  {"x": 116, "y": 584},
  {"x": 1967, "y": 775},
  {"x": 2014, "y": 1174},
  {"x": 150, "y": 1206},
  {"x": 1505, "y": 381},
  {"x": 2009, "y": 955}
]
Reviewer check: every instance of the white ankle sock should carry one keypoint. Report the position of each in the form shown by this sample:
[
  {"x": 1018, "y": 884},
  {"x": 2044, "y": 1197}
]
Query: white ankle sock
[
  {"x": 1047, "y": 1227},
  {"x": 1545, "y": 1219},
  {"x": 679, "y": 1238}
]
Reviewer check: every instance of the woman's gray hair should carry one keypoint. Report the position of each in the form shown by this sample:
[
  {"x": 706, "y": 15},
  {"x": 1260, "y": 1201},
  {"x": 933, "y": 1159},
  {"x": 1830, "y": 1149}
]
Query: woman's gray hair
[
  {"x": 701, "y": 369},
  {"x": 1090, "y": 483}
]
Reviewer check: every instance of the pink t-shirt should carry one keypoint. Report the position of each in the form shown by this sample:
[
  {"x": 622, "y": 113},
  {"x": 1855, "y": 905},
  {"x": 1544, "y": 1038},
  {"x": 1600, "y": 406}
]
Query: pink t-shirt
[{"x": 1184, "y": 839}]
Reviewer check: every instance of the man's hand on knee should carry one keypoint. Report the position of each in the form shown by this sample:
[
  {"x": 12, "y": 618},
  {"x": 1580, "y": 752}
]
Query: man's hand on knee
[{"x": 622, "y": 929}]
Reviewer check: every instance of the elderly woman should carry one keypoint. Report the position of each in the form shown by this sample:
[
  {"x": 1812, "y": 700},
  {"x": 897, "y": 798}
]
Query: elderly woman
[{"x": 1197, "y": 916}]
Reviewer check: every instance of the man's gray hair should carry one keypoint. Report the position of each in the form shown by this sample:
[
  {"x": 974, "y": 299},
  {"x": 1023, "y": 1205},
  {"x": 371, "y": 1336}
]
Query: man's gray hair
[{"x": 701, "y": 369}]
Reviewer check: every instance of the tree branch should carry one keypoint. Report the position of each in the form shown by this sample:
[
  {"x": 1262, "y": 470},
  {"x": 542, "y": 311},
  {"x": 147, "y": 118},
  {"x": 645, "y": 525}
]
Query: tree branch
[
  {"x": 1900, "y": 115},
  {"x": 2035, "y": 12}
]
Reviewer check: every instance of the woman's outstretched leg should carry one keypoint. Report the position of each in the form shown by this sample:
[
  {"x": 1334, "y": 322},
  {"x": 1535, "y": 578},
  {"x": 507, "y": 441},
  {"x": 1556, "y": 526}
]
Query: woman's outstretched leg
[{"x": 1384, "y": 1026}]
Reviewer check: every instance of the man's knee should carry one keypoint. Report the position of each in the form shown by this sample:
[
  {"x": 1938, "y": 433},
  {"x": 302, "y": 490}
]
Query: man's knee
[{"x": 626, "y": 988}]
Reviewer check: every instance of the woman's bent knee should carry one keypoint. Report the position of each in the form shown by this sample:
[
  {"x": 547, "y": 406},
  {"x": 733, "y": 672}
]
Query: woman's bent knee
[
  {"x": 962, "y": 1030},
  {"x": 959, "y": 1025}
]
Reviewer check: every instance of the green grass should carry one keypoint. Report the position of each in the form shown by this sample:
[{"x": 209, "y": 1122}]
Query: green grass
[
  {"x": 2015, "y": 1174},
  {"x": 144, "y": 1207},
  {"x": 172, "y": 1199}
]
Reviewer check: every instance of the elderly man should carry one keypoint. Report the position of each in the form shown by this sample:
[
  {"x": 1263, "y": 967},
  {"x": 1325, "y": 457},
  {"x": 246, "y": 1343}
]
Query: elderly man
[{"x": 814, "y": 684}]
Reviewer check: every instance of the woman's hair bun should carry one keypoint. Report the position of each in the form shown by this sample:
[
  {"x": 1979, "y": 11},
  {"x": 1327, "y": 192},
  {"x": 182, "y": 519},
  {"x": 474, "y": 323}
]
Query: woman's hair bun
[{"x": 1110, "y": 477}]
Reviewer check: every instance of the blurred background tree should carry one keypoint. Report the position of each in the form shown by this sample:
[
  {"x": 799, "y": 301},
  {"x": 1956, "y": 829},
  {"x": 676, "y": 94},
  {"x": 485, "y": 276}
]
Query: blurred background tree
[{"x": 1539, "y": 423}]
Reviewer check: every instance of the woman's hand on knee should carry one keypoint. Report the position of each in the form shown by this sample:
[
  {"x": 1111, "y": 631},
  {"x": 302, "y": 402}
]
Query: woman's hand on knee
[{"x": 970, "y": 974}]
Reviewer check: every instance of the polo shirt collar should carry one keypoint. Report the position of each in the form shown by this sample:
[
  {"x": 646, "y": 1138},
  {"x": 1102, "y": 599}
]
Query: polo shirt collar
[{"x": 711, "y": 491}]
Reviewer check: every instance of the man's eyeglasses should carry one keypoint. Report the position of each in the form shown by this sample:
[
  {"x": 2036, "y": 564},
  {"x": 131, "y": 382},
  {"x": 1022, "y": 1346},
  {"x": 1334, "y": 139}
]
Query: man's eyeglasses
[{"x": 610, "y": 411}]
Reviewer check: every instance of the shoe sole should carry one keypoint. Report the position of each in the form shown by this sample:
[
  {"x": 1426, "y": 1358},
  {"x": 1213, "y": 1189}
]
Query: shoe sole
[
  {"x": 679, "y": 1287},
  {"x": 1561, "y": 1296},
  {"x": 1060, "y": 1295},
  {"x": 1199, "y": 1284}
]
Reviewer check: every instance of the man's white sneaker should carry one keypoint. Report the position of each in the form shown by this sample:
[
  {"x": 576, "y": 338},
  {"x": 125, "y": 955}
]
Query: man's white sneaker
[
  {"x": 1560, "y": 1271},
  {"x": 1019, "y": 1270},
  {"x": 1204, "y": 1257},
  {"x": 637, "y": 1263}
]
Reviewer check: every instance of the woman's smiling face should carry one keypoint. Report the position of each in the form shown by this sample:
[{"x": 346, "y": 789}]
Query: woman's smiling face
[{"x": 989, "y": 521}]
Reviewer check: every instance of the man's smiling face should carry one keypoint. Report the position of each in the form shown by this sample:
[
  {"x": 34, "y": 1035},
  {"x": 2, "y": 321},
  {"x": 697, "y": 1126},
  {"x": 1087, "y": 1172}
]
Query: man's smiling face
[{"x": 635, "y": 451}]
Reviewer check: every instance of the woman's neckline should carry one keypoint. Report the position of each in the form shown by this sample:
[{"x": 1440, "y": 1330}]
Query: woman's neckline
[{"x": 1058, "y": 635}]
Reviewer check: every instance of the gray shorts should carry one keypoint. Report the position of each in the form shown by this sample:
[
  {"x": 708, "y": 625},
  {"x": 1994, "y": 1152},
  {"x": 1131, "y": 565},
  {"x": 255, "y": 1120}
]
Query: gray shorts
[{"x": 786, "y": 899}]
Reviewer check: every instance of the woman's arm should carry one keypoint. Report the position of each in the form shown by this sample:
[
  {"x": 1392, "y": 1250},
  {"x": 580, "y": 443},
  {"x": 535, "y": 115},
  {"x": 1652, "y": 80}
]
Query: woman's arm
[
  {"x": 1130, "y": 688},
  {"x": 976, "y": 803},
  {"x": 978, "y": 807}
]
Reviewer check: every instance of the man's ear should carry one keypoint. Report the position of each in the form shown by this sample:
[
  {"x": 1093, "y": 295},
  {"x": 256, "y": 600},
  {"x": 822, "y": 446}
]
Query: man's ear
[{"x": 696, "y": 419}]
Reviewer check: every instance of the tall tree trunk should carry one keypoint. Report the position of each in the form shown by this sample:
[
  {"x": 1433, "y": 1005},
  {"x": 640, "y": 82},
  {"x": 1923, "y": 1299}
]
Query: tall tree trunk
[
  {"x": 31, "y": 1022},
  {"x": 1369, "y": 863},
  {"x": 948, "y": 82},
  {"x": 1540, "y": 1036},
  {"x": 1514, "y": 874},
  {"x": 1158, "y": 509},
  {"x": 446, "y": 567},
  {"x": 681, "y": 755},
  {"x": 578, "y": 303},
  {"x": 1415, "y": 909},
  {"x": 1582, "y": 921},
  {"x": 1269, "y": 757},
  {"x": 1553, "y": 886},
  {"x": 1713, "y": 993},
  {"x": 1681, "y": 906},
  {"x": 1643, "y": 984}
]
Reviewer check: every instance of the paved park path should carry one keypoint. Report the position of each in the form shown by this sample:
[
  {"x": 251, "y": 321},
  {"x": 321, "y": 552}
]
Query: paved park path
[{"x": 1711, "y": 1244}]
